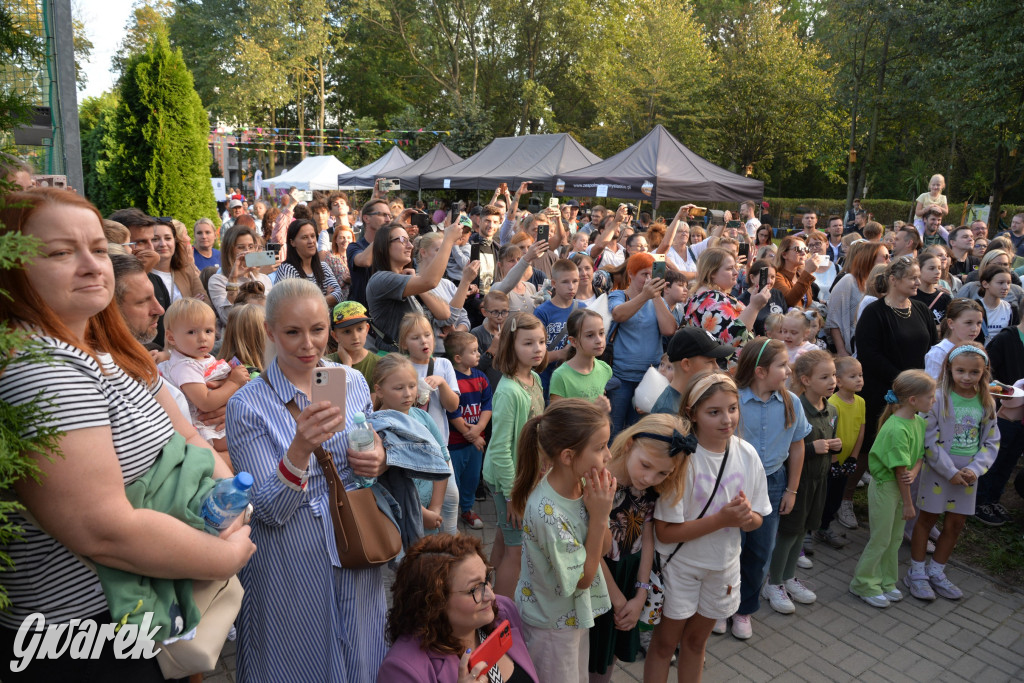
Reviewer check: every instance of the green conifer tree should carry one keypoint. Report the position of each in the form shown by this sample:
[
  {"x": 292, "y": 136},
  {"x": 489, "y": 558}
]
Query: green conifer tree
[{"x": 159, "y": 160}]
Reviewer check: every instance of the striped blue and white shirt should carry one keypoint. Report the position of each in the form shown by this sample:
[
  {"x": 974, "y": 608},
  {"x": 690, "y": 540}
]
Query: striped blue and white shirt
[{"x": 303, "y": 617}]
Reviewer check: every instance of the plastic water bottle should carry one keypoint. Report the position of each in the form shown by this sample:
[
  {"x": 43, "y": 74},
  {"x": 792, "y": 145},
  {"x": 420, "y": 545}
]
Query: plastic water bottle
[
  {"x": 360, "y": 439},
  {"x": 226, "y": 501}
]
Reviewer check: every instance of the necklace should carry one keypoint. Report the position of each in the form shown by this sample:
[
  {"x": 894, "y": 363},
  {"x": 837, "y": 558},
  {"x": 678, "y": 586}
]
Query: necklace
[{"x": 901, "y": 312}]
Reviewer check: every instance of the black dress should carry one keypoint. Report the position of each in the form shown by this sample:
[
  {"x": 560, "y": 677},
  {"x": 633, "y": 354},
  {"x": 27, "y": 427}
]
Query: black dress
[{"x": 888, "y": 344}]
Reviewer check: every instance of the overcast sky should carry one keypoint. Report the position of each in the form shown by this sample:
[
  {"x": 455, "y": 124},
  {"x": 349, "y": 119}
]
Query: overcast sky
[{"x": 104, "y": 23}]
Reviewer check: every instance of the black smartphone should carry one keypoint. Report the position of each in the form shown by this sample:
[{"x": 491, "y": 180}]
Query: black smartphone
[
  {"x": 474, "y": 252},
  {"x": 734, "y": 225},
  {"x": 534, "y": 187},
  {"x": 421, "y": 221},
  {"x": 274, "y": 247},
  {"x": 744, "y": 249},
  {"x": 543, "y": 232},
  {"x": 762, "y": 277},
  {"x": 658, "y": 269}
]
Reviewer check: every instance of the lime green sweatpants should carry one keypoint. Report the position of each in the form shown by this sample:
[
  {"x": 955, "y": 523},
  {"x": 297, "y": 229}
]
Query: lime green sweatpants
[{"x": 878, "y": 567}]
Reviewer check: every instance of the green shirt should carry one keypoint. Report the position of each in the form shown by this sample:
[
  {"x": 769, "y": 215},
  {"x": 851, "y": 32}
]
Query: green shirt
[
  {"x": 968, "y": 414},
  {"x": 569, "y": 383},
  {"x": 366, "y": 367},
  {"x": 554, "y": 540},
  {"x": 900, "y": 443}
]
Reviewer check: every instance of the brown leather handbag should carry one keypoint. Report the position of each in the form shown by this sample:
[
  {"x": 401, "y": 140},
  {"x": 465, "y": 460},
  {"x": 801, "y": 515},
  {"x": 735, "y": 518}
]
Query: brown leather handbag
[{"x": 364, "y": 535}]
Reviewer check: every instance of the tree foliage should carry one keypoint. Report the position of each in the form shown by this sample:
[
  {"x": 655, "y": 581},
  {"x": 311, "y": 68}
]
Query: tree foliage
[
  {"x": 787, "y": 87},
  {"x": 158, "y": 157},
  {"x": 19, "y": 435}
]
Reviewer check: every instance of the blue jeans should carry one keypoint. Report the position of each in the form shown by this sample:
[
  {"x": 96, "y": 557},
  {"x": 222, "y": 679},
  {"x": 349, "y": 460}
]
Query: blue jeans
[
  {"x": 1011, "y": 444},
  {"x": 466, "y": 461},
  {"x": 623, "y": 412},
  {"x": 758, "y": 546}
]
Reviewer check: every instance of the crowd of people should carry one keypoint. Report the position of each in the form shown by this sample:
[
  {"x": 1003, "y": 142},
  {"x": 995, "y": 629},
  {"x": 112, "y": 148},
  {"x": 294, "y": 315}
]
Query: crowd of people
[{"x": 511, "y": 344}]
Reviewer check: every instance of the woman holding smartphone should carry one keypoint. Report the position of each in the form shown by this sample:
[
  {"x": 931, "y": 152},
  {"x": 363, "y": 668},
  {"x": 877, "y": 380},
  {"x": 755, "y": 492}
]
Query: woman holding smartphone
[
  {"x": 304, "y": 616},
  {"x": 223, "y": 286},
  {"x": 444, "y": 610}
]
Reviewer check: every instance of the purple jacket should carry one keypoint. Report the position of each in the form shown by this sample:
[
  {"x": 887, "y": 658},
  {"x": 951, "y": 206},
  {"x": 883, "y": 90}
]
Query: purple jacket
[{"x": 406, "y": 662}]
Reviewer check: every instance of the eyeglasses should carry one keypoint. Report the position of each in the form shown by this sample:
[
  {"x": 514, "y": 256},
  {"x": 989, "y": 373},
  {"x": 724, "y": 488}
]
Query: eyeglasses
[
  {"x": 385, "y": 214},
  {"x": 479, "y": 592},
  {"x": 799, "y": 250},
  {"x": 886, "y": 256},
  {"x": 401, "y": 238},
  {"x": 496, "y": 314}
]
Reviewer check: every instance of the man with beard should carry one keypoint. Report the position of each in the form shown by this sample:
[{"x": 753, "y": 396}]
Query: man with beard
[{"x": 133, "y": 292}]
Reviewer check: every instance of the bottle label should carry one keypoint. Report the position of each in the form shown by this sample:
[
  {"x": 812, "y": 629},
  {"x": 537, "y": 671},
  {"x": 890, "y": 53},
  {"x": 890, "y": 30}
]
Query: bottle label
[{"x": 217, "y": 517}]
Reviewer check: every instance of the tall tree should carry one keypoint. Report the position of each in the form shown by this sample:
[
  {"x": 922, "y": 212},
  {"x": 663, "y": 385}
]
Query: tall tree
[
  {"x": 662, "y": 74},
  {"x": 159, "y": 160},
  {"x": 977, "y": 82},
  {"x": 769, "y": 102},
  {"x": 96, "y": 117}
]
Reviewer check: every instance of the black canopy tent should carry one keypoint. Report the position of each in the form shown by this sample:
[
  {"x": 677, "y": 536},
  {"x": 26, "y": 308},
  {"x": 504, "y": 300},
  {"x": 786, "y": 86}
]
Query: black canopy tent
[
  {"x": 362, "y": 178},
  {"x": 658, "y": 168},
  {"x": 437, "y": 158},
  {"x": 533, "y": 158}
]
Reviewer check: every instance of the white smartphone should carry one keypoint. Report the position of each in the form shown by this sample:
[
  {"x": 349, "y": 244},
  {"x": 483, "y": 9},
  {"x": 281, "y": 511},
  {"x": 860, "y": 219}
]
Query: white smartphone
[
  {"x": 553, "y": 203},
  {"x": 329, "y": 384},
  {"x": 255, "y": 259}
]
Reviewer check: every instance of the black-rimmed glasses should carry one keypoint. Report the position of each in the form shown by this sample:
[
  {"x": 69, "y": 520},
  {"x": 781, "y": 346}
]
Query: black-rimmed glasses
[{"x": 479, "y": 591}]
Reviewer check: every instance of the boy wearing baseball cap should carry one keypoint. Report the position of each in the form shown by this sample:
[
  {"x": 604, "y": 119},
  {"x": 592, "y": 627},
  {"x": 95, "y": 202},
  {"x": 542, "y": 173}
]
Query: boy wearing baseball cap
[
  {"x": 690, "y": 350},
  {"x": 349, "y": 326}
]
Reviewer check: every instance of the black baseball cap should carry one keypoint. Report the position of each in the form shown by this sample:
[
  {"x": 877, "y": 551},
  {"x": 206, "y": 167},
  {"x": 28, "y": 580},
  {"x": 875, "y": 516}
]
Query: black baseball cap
[{"x": 688, "y": 342}]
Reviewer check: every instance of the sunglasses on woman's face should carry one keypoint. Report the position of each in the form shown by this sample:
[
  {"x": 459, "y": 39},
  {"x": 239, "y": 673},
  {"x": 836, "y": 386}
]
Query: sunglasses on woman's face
[{"x": 799, "y": 250}]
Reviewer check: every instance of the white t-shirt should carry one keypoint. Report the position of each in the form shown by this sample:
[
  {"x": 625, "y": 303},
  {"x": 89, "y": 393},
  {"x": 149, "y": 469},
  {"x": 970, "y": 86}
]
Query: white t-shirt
[
  {"x": 936, "y": 356},
  {"x": 743, "y": 472},
  {"x": 444, "y": 369},
  {"x": 682, "y": 261},
  {"x": 752, "y": 225},
  {"x": 996, "y": 319},
  {"x": 168, "y": 281},
  {"x": 613, "y": 258}
]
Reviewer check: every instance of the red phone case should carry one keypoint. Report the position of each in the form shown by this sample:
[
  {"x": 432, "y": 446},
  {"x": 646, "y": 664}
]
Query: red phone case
[{"x": 493, "y": 647}]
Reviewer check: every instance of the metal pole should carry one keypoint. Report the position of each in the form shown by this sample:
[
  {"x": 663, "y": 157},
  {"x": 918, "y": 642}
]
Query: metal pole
[{"x": 67, "y": 92}]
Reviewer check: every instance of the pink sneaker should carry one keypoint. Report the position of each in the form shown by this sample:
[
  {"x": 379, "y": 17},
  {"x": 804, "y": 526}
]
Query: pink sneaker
[{"x": 741, "y": 626}]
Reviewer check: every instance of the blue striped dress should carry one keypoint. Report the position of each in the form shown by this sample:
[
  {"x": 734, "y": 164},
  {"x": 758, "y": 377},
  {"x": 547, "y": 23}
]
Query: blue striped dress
[{"x": 304, "y": 617}]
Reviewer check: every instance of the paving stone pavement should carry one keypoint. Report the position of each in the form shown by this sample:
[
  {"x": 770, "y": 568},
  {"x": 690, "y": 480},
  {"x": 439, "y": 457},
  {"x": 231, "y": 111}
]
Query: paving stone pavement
[{"x": 840, "y": 638}]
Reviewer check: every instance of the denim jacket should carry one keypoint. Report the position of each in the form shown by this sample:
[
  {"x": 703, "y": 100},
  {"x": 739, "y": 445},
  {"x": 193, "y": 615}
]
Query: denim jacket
[{"x": 412, "y": 453}]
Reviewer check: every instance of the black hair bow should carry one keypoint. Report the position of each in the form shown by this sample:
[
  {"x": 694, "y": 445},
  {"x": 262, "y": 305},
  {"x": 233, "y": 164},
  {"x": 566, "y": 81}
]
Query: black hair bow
[{"x": 677, "y": 443}]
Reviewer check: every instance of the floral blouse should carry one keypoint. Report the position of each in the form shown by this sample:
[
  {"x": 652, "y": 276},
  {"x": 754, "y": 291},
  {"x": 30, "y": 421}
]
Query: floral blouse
[
  {"x": 718, "y": 313},
  {"x": 631, "y": 509}
]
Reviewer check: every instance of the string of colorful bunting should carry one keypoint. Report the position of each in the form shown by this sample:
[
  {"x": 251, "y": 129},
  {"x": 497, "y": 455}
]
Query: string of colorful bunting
[{"x": 267, "y": 130}]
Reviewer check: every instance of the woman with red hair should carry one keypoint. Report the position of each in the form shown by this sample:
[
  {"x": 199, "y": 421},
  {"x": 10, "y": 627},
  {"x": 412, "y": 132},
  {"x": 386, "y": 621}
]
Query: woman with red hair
[
  {"x": 444, "y": 607},
  {"x": 97, "y": 385},
  {"x": 637, "y": 311}
]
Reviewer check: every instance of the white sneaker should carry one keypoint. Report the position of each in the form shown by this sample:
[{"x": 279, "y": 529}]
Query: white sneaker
[
  {"x": 777, "y": 598},
  {"x": 846, "y": 516},
  {"x": 804, "y": 562},
  {"x": 895, "y": 595},
  {"x": 721, "y": 626},
  {"x": 799, "y": 592},
  {"x": 741, "y": 627}
]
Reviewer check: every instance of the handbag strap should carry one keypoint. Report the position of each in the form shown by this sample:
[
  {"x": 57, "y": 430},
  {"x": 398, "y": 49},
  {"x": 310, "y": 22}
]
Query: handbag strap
[
  {"x": 937, "y": 295},
  {"x": 330, "y": 470},
  {"x": 714, "y": 490}
]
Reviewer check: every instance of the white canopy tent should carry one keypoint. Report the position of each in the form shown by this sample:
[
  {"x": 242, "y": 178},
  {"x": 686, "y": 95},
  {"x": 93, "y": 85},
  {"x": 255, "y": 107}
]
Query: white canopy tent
[{"x": 312, "y": 173}]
